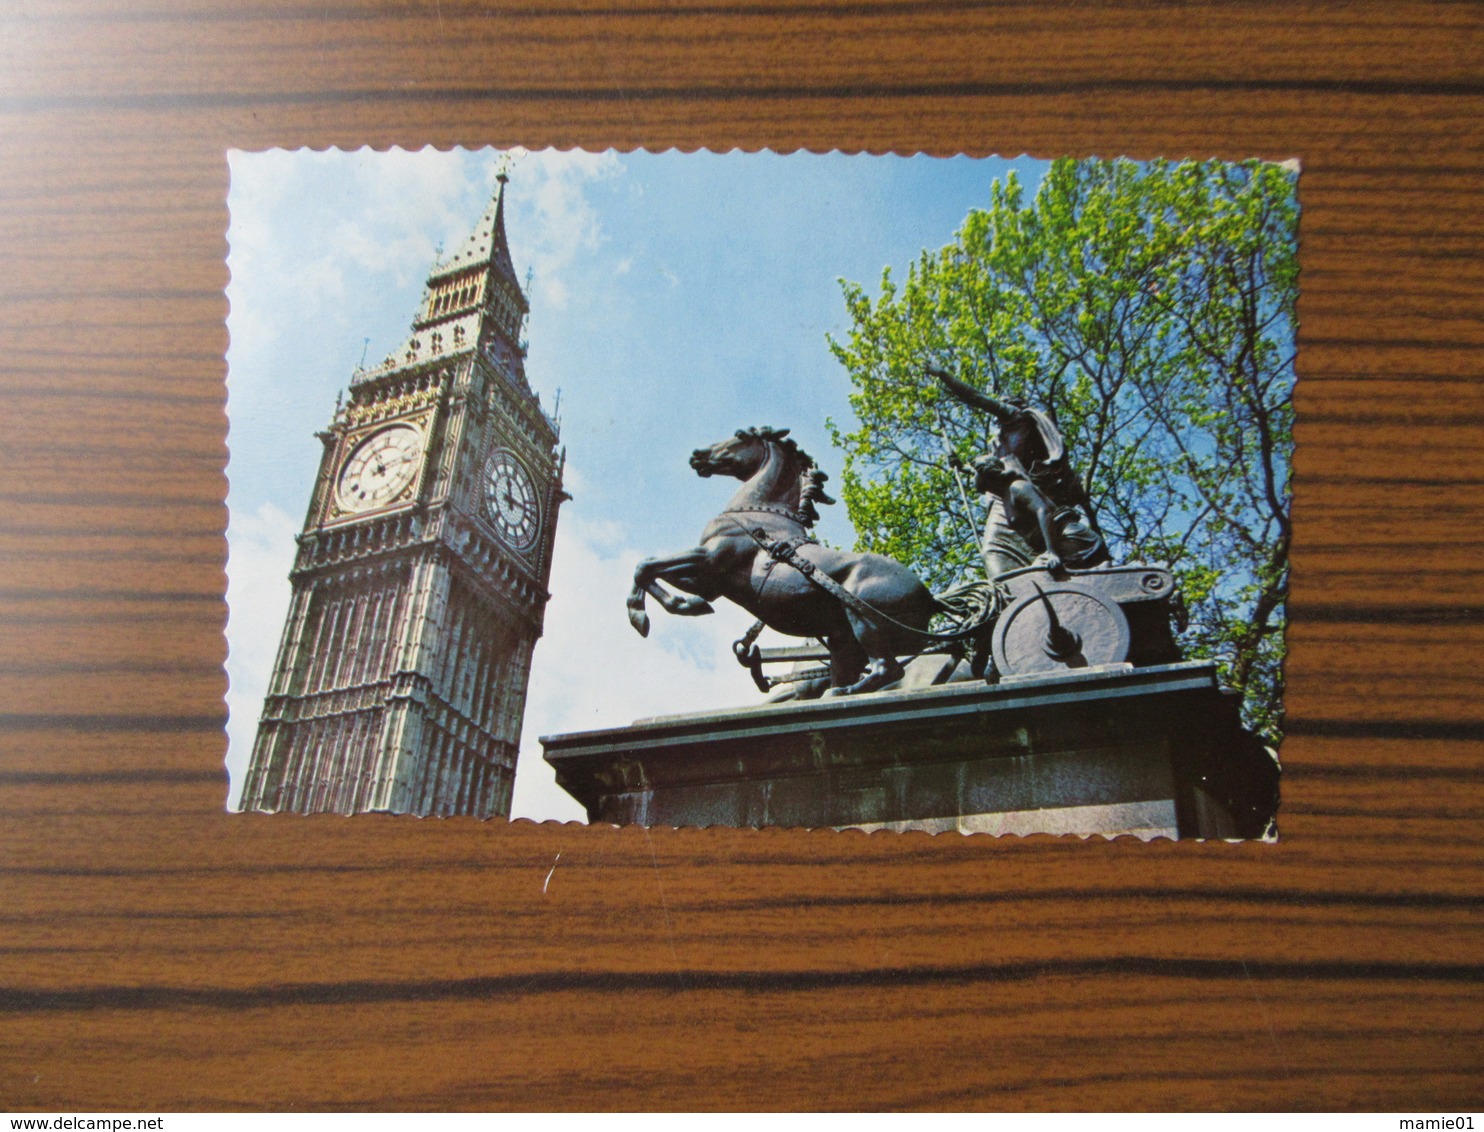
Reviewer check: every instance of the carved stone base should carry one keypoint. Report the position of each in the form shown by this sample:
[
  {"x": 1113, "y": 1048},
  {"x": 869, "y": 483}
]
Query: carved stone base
[{"x": 1152, "y": 752}]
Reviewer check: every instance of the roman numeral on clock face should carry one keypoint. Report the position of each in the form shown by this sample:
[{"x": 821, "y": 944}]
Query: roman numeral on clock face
[
  {"x": 379, "y": 469},
  {"x": 510, "y": 502}
]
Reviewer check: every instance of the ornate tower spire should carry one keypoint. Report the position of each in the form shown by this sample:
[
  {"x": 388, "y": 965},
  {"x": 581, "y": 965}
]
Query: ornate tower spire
[{"x": 474, "y": 298}]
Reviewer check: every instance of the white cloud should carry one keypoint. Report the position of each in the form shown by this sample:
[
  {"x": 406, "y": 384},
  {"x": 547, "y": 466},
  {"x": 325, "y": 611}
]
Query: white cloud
[
  {"x": 295, "y": 247},
  {"x": 562, "y": 222}
]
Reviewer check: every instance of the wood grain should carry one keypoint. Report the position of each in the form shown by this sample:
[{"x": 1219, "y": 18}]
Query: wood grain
[{"x": 160, "y": 954}]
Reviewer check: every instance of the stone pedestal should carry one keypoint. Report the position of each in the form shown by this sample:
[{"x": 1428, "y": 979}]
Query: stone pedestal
[{"x": 1156, "y": 751}]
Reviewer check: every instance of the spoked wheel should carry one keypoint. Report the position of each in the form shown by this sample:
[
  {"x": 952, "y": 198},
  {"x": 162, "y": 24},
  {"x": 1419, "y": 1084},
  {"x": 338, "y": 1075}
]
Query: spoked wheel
[{"x": 1061, "y": 627}]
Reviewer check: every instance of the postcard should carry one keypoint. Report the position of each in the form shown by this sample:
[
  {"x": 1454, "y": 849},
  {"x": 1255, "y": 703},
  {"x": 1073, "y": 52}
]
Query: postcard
[{"x": 821, "y": 490}]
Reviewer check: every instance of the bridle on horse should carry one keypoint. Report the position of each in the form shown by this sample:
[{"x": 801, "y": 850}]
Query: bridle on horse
[{"x": 787, "y": 512}]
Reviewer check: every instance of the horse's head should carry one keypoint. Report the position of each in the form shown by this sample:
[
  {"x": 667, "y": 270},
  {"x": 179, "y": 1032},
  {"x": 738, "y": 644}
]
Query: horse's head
[
  {"x": 775, "y": 470},
  {"x": 739, "y": 455}
]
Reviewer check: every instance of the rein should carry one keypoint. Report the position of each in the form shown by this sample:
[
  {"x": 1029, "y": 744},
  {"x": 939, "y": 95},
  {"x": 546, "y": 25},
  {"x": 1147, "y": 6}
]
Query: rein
[{"x": 786, "y": 551}]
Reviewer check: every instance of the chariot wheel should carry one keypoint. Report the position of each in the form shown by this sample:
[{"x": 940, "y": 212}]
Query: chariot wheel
[{"x": 1062, "y": 626}]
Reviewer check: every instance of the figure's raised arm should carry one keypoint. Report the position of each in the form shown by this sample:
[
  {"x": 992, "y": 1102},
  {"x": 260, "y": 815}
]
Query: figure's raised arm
[{"x": 970, "y": 396}]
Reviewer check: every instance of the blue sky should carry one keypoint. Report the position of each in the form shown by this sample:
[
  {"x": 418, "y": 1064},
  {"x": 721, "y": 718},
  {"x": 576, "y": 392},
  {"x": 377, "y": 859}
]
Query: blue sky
[{"x": 674, "y": 298}]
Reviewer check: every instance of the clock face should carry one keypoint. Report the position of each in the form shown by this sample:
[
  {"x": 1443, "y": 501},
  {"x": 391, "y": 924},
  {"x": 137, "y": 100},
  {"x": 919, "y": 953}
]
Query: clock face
[
  {"x": 510, "y": 500},
  {"x": 379, "y": 469}
]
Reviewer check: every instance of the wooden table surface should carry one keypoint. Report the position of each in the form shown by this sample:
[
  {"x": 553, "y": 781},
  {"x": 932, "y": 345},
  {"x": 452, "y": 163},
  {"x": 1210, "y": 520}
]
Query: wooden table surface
[{"x": 157, "y": 953}]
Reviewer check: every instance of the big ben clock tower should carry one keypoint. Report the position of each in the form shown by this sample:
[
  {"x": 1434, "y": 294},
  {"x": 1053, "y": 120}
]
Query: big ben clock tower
[{"x": 420, "y": 580}]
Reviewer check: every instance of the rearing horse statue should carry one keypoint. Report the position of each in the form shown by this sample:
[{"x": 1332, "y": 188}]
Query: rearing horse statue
[{"x": 748, "y": 554}]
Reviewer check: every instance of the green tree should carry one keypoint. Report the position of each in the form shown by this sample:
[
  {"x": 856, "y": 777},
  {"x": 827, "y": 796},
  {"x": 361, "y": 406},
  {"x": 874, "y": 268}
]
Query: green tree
[{"x": 1150, "y": 310}]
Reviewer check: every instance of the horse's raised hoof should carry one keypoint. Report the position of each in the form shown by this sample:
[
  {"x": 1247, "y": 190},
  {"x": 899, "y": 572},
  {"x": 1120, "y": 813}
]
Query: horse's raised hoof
[
  {"x": 640, "y": 621},
  {"x": 694, "y": 607}
]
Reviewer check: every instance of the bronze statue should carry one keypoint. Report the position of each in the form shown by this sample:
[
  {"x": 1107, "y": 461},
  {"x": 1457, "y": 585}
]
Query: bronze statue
[
  {"x": 1029, "y": 446},
  {"x": 868, "y": 609}
]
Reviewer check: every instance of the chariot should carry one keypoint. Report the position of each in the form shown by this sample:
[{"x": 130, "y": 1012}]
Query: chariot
[{"x": 1030, "y": 622}]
